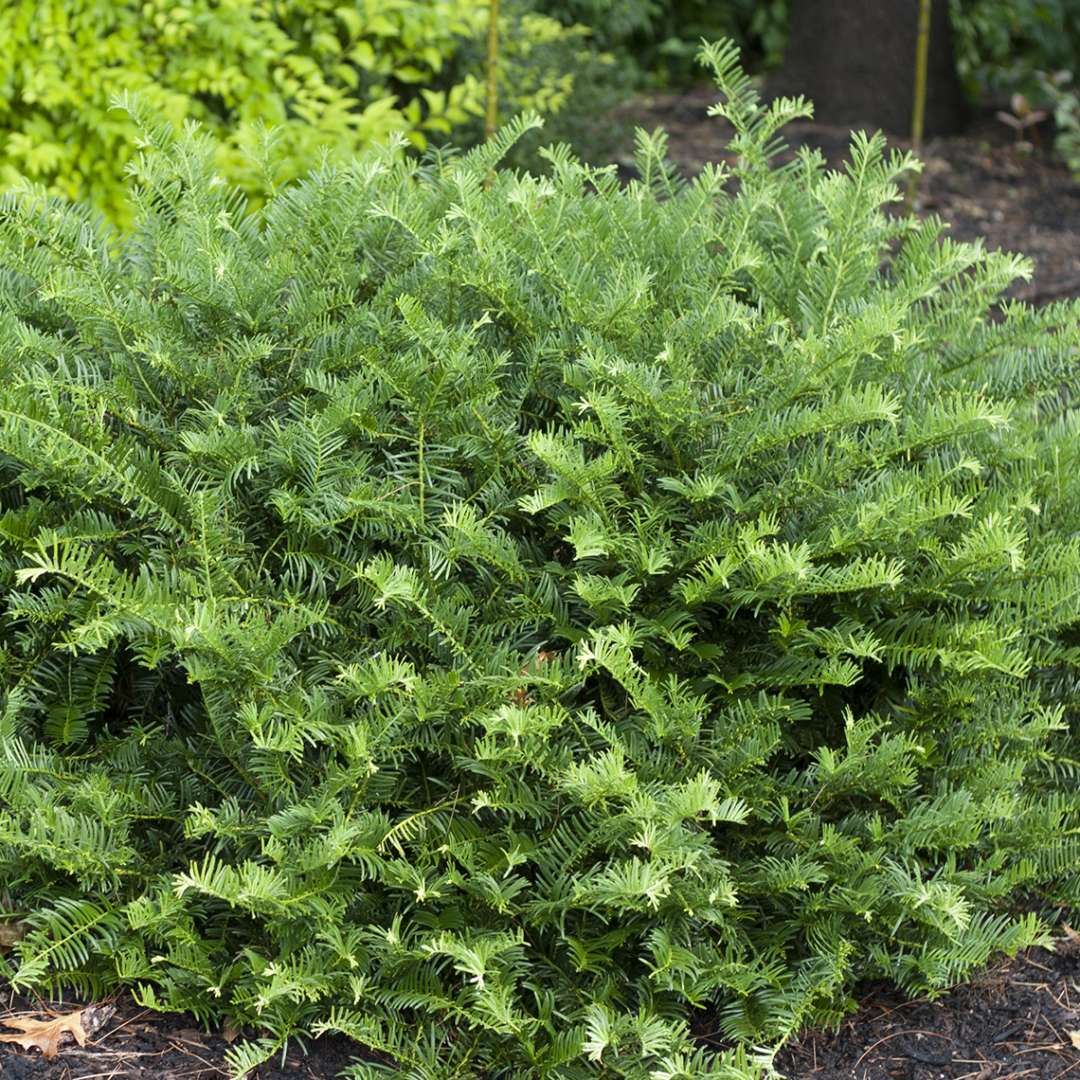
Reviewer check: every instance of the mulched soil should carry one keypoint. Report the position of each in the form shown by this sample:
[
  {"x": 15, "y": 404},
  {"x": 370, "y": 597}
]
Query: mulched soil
[
  {"x": 980, "y": 181},
  {"x": 136, "y": 1044},
  {"x": 1020, "y": 1019}
]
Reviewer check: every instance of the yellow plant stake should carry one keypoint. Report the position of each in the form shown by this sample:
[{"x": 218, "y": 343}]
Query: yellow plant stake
[
  {"x": 491, "y": 116},
  {"x": 918, "y": 111}
]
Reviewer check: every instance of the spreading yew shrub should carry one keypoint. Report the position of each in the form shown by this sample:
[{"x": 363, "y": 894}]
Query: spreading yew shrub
[{"x": 495, "y": 615}]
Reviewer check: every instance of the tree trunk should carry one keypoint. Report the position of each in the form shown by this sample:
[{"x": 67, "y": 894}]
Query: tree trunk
[{"x": 855, "y": 59}]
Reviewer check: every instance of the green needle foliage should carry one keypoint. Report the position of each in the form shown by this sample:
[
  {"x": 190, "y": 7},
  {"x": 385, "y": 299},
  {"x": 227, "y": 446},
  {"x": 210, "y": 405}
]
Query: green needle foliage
[{"x": 495, "y": 619}]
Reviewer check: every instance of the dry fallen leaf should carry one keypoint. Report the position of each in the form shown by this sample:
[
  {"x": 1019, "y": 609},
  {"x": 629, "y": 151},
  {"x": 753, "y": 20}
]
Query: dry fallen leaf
[
  {"x": 1074, "y": 1038},
  {"x": 1069, "y": 944},
  {"x": 47, "y": 1035},
  {"x": 12, "y": 931}
]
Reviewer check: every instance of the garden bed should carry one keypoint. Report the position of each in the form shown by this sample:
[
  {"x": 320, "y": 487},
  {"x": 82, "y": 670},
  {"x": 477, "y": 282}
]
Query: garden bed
[
  {"x": 1020, "y": 1020},
  {"x": 298, "y": 869}
]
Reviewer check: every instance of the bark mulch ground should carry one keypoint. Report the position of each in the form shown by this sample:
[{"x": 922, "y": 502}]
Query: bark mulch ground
[
  {"x": 137, "y": 1044},
  {"x": 979, "y": 181},
  {"x": 1020, "y": 1020}
]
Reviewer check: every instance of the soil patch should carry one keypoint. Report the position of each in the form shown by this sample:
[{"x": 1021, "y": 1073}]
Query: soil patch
[
  {"x": 138, "y": 1044},
  {"x": 980, "y": 182},
  {"x": 1018, "y": 1021}
]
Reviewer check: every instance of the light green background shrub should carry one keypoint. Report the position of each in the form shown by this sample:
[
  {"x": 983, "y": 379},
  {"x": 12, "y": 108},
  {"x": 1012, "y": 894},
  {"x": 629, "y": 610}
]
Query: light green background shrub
[{"x": 328, "y": 73}]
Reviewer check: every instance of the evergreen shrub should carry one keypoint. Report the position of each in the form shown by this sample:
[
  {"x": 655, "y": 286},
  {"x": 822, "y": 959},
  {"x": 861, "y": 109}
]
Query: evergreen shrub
[{"x": 495, "y": 616}]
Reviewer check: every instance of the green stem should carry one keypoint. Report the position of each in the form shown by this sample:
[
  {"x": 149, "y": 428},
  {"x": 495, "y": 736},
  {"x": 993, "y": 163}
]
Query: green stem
[{"x": 420, "y": 467}]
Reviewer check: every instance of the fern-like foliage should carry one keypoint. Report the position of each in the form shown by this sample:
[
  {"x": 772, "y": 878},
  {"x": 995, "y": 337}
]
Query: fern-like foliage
[{"x": 491, "y": 615}]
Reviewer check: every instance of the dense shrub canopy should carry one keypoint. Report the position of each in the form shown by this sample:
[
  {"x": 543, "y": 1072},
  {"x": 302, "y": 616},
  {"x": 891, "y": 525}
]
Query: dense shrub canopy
[{"x": 487, "y": 614}]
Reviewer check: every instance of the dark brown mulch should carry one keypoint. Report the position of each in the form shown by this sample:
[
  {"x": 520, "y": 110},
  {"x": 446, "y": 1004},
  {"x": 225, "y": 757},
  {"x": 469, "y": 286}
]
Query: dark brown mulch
[
  {"x": 1018, "y": 1021},
  {"x": 137, "y": 1044},
  {"x": 978, "y": 181}
]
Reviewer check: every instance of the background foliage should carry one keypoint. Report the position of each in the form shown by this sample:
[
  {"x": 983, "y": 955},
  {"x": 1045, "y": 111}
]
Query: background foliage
[
  {"x": 1030, "y": 48},
  {"x": 328, "y": 75},
  {"x": 493, "y": 619},
  {"x": 560, "y": 70},
  {"x": 1001, "y": 45},
  {"x": 325, "y": 73},
  {"x": 334, "y": 75},
  {"x": 659, "y": 38}
]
